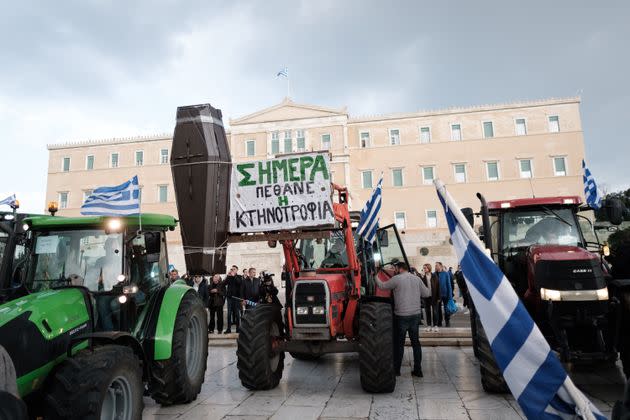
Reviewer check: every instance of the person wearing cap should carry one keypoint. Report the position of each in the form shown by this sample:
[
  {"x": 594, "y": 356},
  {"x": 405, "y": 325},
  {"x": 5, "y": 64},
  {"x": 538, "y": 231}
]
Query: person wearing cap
[{"x": 408, "y": 290}]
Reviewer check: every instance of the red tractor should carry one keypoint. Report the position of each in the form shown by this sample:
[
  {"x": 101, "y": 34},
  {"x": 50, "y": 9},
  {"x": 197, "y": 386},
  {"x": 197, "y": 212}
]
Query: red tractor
[
  {"x": 553, "y": 258},
  {"x": 332, "y": 304}
]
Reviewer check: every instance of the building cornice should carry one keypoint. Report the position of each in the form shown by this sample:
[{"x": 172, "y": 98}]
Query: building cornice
[
  {"x": 105, "y": 142},
  {"x": 465, "y": 110}
]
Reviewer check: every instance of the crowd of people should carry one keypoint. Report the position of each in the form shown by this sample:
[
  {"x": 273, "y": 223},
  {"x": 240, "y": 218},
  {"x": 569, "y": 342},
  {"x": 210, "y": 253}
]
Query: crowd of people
[{"x": 238, "y": 291}]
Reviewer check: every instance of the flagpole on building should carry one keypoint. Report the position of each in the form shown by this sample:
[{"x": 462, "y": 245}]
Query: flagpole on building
[{"x": 288, "y": 87}]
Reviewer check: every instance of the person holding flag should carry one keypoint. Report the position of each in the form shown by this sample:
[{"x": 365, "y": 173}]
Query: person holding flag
[{"x": 533, "y": 373}]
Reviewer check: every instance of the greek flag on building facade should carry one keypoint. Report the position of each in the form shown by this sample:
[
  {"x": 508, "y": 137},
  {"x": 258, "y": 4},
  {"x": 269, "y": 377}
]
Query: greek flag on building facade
[
  {"x": 9, "y": 201},
  {"x": 368, "y": 223},
  {"x": 534, "y": 375},
  {"x": 593, "y": 195},
  {"x": 121, "y": 200}
]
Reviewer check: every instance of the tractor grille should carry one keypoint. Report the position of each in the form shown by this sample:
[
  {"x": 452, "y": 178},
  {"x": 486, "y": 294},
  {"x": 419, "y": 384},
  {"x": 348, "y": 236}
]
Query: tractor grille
[
  {"x": 570, "y": 275},
  {"x": 310, "y": 294}
]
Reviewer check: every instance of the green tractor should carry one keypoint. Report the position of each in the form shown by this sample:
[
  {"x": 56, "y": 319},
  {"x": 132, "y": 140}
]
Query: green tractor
[{"x": 90, "y": 322}]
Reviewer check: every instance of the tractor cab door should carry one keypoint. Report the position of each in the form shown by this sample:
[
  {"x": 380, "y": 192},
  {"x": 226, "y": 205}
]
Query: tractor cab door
[{"x": 379, "y": 261}]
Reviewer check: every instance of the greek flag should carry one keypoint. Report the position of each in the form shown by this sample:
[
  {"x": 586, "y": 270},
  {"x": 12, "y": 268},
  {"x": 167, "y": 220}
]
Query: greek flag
[
  {"x": 533, "y": 373},
  {"x": 121, "y": 200},
  {"x": 593, "y": 195},
  {"x": 284, "y": 72},
  {"x": 9, "y": 201},
  {"x": 368, "y": 223}
]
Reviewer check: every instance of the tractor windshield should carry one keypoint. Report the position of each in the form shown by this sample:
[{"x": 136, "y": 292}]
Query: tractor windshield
[
  {"x": 546, "y": 226},
  {"x": 324, "y": 253},
  {"x": 87, "y": 258}
]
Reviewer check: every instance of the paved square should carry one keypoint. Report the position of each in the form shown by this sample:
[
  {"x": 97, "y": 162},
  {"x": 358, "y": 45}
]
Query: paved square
[{"x": 330, "y": 388}]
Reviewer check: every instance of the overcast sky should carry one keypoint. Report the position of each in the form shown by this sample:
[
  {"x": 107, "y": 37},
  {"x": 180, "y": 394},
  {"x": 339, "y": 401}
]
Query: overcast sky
[{"x": 77, "y": 70}]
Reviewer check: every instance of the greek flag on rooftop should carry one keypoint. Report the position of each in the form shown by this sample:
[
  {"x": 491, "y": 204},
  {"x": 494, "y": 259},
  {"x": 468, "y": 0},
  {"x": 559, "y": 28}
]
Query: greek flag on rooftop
[
  {"x": 284, "y": 72},
  {"x": 121, "y": 200},
  {"x": 533, "y": 373},
  {"x": 368, "y": 223},
  {"x": 9, "y": 201},
  {"x": 593, "y": 195}
]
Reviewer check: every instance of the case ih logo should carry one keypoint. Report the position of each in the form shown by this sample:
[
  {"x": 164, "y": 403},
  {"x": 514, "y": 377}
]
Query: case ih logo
[{"x": 582, "y": 270}]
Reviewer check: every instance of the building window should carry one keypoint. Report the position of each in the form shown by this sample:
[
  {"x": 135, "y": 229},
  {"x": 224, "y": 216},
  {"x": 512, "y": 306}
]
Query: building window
[
  {"x": 250, "y": 147},
  {"x": 86, "y": 194},
  {"x": 492, "y": 171},
  {"x": 364, "y": 138},
  {"x": 162, "y": 193},
  {"x": 521, "y": 126},
  {"x": 431, "y": 218},
  {"x": 366, "y": 179},
  {"x": 525, "y": 166},
  {"x": 288, "y": 142},
  {"x": 460, "y": 172},
  {"x": 394, "y": 137},
  {"x": 425, "y": 135},
  {"x": 559, "y": 166},
  {"x": 89, "y": 162},
  {"x": 554, "y": 124},
  {"x": 63, "y": 200},
  {"x": 326, "y": 141},
  {"x": 488, "y": 130},
  {"x": 113, "y": 161},
  {"x": 397, "y": 177},
  {"x": 400, "y": 219},
  {"x": 456, "y": 132},
  {"x": 163, "y": 156},
  {"x": 275, "y": 142},
  {"x": 65, "y": 164},
  {"x": 139, "y": 158},
  {"x": 428, "y": 175},
  {"x": 301, "y": 141}
]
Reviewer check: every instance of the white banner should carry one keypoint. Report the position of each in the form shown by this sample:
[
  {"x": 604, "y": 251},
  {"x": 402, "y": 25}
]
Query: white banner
[{"x": 279, "y": 194}]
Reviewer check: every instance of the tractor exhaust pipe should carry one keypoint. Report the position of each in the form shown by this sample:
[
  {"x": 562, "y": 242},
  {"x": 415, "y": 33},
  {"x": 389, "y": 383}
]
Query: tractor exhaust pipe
[
  {"x": 201, "y": 167},
  {"x": 485, "y": 220}
]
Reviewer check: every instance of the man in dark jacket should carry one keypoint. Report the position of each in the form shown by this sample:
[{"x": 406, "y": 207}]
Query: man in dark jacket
[
  {"x": 215, "y": 303},
  {"x": 233, "y": 290},
  {"x": 250, "y": 287}
]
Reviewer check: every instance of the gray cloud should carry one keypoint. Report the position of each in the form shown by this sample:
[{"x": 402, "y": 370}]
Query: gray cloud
[{"x": 89, "y": 69}]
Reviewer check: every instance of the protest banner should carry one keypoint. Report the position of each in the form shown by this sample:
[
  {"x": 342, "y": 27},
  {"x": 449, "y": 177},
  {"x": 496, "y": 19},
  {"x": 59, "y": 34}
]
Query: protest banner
[{"x": 288, "y": 192}]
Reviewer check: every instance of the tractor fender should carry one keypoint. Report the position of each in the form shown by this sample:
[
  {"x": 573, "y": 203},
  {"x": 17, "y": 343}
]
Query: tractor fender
[{"x": 169, "y": 306}]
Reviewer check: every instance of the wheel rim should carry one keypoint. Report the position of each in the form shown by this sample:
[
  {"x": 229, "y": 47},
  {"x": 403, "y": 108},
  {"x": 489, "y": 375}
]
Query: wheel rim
[
  {"x": 274, "y": 357},
  {"x": 193, "y": 349},
  {"x": 118, "y": 401}
]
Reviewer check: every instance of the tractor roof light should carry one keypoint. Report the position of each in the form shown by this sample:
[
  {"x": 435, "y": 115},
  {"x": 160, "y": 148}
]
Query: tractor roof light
[
  {"x": 568, "y": 201},
  {"x": 113, "y": 225},
  {"x": 505, "y": 205},
  {"x": 53, "y": 207}
]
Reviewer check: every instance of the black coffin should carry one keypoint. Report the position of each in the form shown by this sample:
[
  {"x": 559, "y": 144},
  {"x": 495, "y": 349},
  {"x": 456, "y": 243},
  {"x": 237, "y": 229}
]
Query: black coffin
[{"x": 201, "y": 165}]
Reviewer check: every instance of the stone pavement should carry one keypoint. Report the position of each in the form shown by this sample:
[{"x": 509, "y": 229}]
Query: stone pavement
[{"x": 330, "y": 388}]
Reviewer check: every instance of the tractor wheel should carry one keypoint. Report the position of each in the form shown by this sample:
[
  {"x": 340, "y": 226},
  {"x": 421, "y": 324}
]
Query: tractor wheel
[
  {"x": 178, "y": 380},
  {"x": 11, "y": 406},
  {"x": 305, "y": 356},
  {"x": 624, "y": 345},
  {"x": 376, "y": 345},
  {"x": 259, "y": 365},
  {"x": 103, "y": 383},
  {"x": 491, "y": 378}
]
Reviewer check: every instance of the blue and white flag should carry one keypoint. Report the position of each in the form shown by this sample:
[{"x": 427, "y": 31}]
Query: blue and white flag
[
  {"x": 284, "y": 72},
  {"x": 368, "y": 223},
  {"x": 533, "y": 373},
  {"x": 121, "y": 200},
  {"x": 593, "y": 195},
  {"x": 9, "y": 201}
]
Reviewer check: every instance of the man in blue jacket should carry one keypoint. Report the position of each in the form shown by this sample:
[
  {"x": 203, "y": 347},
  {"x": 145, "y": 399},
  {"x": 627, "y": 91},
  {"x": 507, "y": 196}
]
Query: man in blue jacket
[{"x": 446, "y": 293}]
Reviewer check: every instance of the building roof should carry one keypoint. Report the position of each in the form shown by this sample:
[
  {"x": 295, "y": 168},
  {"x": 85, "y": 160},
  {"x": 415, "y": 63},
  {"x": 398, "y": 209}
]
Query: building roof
[
  {"x": 148, "y": 220},
  {"x": 288, "y": 110}
]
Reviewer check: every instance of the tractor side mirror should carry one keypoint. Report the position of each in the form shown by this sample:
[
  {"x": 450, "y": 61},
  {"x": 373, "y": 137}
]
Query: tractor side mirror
[
  {"x": 383, "y": 238},
  {"x": 614, "y": 210},
  {"x": 469, "y": 214}
]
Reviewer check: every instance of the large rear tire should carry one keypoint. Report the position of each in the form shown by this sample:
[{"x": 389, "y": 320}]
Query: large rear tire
[
  {"x": 11, "y": 406},
  {"x": 105, "y": 382},
  {"x": 376, "y": 345},
  {"x": 473, "y": 329},
  {"x": 259, "y": 365},
  {"x": 491, "y": 377},
  {"x": 178, "y": 380}
]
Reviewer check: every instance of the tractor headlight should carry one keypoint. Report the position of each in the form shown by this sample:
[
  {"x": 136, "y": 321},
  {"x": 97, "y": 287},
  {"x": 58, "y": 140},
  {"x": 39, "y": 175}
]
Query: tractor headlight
[
  {"x": 302, "y": 310},
  {"x": 602, "y": 294},
  {"x": 549, "y": 294},
  {"x": 113, "y": 225},
  {"x": 318, "y": 310},
  {"x": 25, "y": 227},
  {"x": 130, "y": 290},
  {"x": 122, "y": 299}
]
